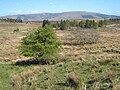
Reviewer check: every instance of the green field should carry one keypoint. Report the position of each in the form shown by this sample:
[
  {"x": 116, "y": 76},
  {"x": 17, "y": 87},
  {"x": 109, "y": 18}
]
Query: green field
[{"x": 54, "y": 77}]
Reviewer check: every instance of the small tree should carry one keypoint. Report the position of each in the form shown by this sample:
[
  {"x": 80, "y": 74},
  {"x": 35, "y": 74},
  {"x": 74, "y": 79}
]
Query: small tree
[
  {"x": 45, "y": 23},
  {"x": 41, "y": 44},
  {"x": 82, "y": 24},
  {"x": 62, "y": 25},
  {"x": 87, "y": 24},
  {"x": 101, "y": 23}
]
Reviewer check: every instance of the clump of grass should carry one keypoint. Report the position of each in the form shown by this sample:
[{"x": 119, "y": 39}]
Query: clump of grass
[
  {"x": 25, "y": 79},
  {"x": 16, "y": 82},
  {"x": 81, "y": 37},
  {"x": 74, "y": 80},
  {"x": 7, "y": 71}
]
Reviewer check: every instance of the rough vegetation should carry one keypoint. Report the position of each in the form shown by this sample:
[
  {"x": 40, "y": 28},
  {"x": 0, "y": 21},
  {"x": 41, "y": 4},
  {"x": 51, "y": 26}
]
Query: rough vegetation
[
  {"x": 81, "y": 37},
  {"x": 91, "y": 64}
]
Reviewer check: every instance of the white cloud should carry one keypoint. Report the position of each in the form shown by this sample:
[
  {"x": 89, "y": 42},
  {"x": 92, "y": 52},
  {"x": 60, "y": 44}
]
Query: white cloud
[
  {"x": 23, "y": 12},
  {"x": 51, "y": 3},
  {"x": 117, "y": 11},
  {"x": 17, "y": 11},
  {"x": 34, "y": 11}
]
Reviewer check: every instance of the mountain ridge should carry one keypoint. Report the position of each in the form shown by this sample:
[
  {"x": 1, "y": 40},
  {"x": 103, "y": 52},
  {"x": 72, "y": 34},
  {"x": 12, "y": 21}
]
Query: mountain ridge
[{"x": 59, "y": 16}]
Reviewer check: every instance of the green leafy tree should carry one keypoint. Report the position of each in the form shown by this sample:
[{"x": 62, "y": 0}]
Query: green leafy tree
[{"x": 41, "y": 44}]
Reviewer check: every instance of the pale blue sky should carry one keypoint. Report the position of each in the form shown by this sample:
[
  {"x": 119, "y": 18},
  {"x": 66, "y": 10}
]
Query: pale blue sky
[{"x": 11, "y": 7}]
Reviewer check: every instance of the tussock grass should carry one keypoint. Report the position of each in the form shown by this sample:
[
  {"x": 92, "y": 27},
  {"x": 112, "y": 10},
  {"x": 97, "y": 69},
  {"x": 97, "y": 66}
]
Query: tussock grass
[
  {"x": 6, "y": 71},
  {"x": 72, "y": 75}
]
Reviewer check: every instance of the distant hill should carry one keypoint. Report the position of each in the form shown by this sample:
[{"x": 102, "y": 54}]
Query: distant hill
[{"x": 59, "y": 16}]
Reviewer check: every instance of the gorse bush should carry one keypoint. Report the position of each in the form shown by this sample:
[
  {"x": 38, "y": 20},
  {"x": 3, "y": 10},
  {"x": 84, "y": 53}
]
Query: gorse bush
[
  {"x": 81, "y": 37},
  {"x": 41, "y": 44}
]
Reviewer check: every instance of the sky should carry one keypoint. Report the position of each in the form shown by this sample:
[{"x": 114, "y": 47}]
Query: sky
[{"x": 13, "y": 7}]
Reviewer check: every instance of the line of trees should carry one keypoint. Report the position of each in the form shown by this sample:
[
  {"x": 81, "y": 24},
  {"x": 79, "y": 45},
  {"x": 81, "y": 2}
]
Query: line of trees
[
  {"x": 11, "y": 20},
  {"x": 68, "y": 24}
]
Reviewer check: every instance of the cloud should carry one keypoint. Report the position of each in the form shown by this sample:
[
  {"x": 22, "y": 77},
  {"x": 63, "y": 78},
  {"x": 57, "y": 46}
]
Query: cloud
[
  {"x": 24, "y": 12},
  {"x": 117, "y": 11},
  {"x": 17, "y": 11},
  {"x": 51, "y": 3},
  {"x": 34, "y": 11}
]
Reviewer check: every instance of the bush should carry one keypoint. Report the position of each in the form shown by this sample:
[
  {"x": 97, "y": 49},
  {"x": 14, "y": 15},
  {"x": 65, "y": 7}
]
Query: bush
[
  {"x": 81, "y": 37},
  {"x": 41, "y": 44},
  {"x": 45, "y": 23}
]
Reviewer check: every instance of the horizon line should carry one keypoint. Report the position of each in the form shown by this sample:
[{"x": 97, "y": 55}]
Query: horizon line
[{"x": 58, "y": 12}]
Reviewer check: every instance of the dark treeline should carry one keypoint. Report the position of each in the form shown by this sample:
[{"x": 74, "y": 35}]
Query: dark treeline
[
  {"x": 11, "y": 20},
  {"x": 69, "y": 24}
]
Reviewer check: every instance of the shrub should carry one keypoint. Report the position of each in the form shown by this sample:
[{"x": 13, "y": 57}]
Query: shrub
[
  {"x": 41, "y": 44},
  {"x": 81, "y": 37},
  {"x": 45, "y": 23},
  {"x": 64, "y": 25}
]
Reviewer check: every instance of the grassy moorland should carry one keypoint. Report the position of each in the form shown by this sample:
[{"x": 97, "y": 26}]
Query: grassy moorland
[{"x": 94, "y": 66}]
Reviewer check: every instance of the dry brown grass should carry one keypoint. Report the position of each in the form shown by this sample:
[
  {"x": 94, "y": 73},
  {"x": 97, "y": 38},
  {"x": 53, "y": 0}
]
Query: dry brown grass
[
  {"x": 25, "y": 79},
  {"x": 81, "y": 37},
  {"x": 9, "y": 41},
  {"x": 107, "y": 49}
]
